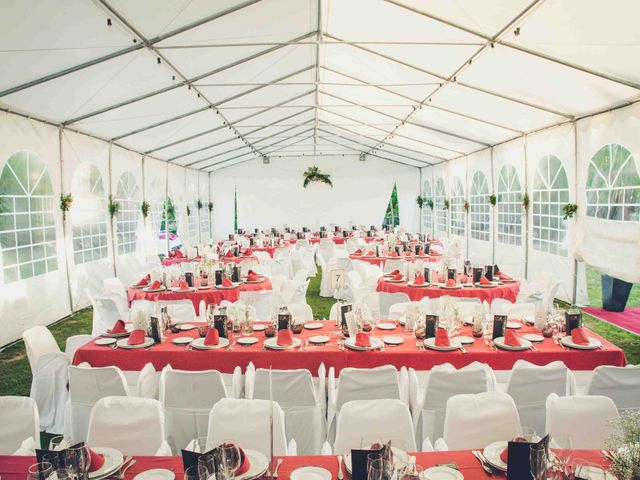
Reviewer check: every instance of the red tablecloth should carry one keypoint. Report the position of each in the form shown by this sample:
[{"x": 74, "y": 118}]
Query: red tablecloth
[
  {"x": 508, "y": 291},
  {"x": 407, "y": 355},
  {"x": 15, "y": 468},
  {"x": 251, "y": 258},
  {"x": 166, "y": 262},
  {"x": 212, "y": 295},
  {"x": 382, "y": 260}
]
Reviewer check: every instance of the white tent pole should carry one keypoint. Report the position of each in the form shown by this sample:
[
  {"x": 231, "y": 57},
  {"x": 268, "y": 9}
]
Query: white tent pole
[
  {"x": 64, "y": 223},
  {"x": 114, "y": 246},
  {"x": 467, "y": 213},
  {"x": 494, "y": 215},
  {"x": 317, "y": 75},
  {"x": 526, "y": 211},
  {"x": 371, "y": 154},
  {"x": 144, "y": 220},
  {"x": 575, "y": 192}
]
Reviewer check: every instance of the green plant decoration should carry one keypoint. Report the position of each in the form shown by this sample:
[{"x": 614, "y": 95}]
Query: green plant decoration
[
  {"x": 526, "y": 201},
  {"x": 465, "y": 205},
  {"x": 211, "y": 206},
  {"x": 168, "y": 205},
  {"x": 114, "y": 207},
  {"x": 430, "y": 203},
  {"x": 199, "y": 205},
  {"x": 420, "y": 201},
  {"x": 144, "y": 208},
  {"x": 493, "y": 199},
  {"x": 569, "y": 210},
  {"x": 313, "y": 174},
  {"x": 188, "y": 211},
  {"x": 446, "y": 203},
  {"x": 66, "y": 200}
]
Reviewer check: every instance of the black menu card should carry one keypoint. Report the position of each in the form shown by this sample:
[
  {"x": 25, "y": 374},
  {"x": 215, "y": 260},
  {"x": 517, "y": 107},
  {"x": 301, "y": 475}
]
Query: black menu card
[
  {"x": 518, "y": 463},
  {"x": 499, "y": 325},
  {"x": 489, "y": 272},
  {"x": 477, "y": 274},
  {"x": 218, "y": 274},
  {"x": 220, "y": 324},
  {"x": 284, "y": 321},
  {"x": 343, "y": 314},
  {"x": 430, "y": 326},
  {"x": 572, "y": 320}
]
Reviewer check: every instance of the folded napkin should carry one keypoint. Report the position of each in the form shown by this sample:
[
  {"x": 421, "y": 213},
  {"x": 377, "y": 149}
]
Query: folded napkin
[
  {"x": 170, "y": 254},
  {"x": 156, "y": 285},
  {"x": 450, "y": 282},
  {"x": 97, "y": 461},
  {"x": 136, "y": 337},
  {"x": 226, "y": 282},
  {"x": 395, "y": 272},
  {"x": 248, "y": 252},
  {"x": 370, "y": 253},
  {"x": 284, "y": 338},
  {"x": 419, "y": 280},
  {"x": 422, "y": 254},
  {"x": 358, "y": 252},
  {"x": 397, "y": 277},
  {"x": 393, "y": 254},
  {"x": 252, "y": 277},
  {"x": 442, "y": 338},
  {"x": 579, "y": 337},
  {"x": 504, "y": 455},
  {"x": 182, "y": 285},
  {"x": 229, "y": 254},
  {"x": 363, "y": 340},
  {"x": 118, "y": 327},
  {"x": 212, "y": 337},
  {"x": 511, "y": 339},
  {"x": 144, "y": 280},
  {"x": 484, "y": 281},
  {"x": 179, "y": 254},
  {"x": 504, "y": 276}
]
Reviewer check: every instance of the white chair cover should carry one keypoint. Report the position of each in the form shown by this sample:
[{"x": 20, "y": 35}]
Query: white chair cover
[
  {"x": 282, "y": 263},
  {"x": 363, "y": 422},
  {"x": 114, "y": 288},
  {"x": 620, "y": 384},
  {"x": 133, "y": 425},
  {"x": 390, "y": 265},
  {"x": 180, "y": 311},
  {"x": 260, "y": 300},
  {"x": 296, "y": 394},
  {"x": 388, "y": 299},
  {"x": 86, "y": 387},
  {"x": 248, "y": 423},
  {"x": 475, "y": 421},
  {"x": 299, "y": 295},
  {"x": 95, "y": 322},
  {"x": 108, "y": 313},
  {"x": 585, "y": 418},
  {"x": 187, "y": 398},
  {"x": 445, "y": 382},
  {"x": 19, "y": 420},
  {"x": 263, "y": 257},
  {"x": 300, "y": 311},
  {"x": 530, "y": 385},
  {"x": 74, "y": 343},
  {"x": 307, "y": 260}
]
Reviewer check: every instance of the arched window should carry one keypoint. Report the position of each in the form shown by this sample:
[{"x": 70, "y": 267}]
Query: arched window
[
  {"x": 509, "y": 206},
  {"x": 194, "y": 234},
  {"x": 550, "y": 193},
  {"x": 457, "y": 209},
  {"x": 427, "y": 213},
  {"x": 205, "y": 232},
  {"x": 88, "y": 215},
  {"x": 127, "y": 194},
  {"x": 479, "y": 207},
  {"x": 27, "y": 224},
  {"x": 438, "y": 205},
  {"x": 613, "y": 185}
]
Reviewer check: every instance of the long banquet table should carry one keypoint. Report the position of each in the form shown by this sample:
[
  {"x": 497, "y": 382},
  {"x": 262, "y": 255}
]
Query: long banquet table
[
  {"x": 210, "y": 296},
  {"x": 508, "y": 291},
  {"x": 380, "y": 261},
  {"x": 15, "y": 467},
  {"x": 407, "y": 354}
]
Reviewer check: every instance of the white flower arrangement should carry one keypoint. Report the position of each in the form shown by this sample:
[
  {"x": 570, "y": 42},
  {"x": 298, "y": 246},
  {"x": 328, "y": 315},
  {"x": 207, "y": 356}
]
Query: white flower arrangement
[{"x": 625, "y": 440}]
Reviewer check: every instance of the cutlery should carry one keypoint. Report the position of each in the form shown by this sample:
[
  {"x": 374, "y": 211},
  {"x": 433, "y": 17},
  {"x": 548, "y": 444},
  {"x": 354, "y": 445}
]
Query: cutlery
[
  {"x": 189, "y": 347},
  {"x": 306, "y": 345},
  {"x": 275, "y": 470},
  {"x": 480, "y": 458},
  {"x": 125, "y": 468},
  {"x": 602, "y": 347},
  {"x": 340, "y": 474},
  {"x": 462, "y": 349},
  {"x": 301, "y": 346},
  {"x": 231, "y": 346},
  {"x": 533, "y": 349}
]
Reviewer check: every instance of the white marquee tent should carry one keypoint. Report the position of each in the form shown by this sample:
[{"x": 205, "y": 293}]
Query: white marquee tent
[{"x": 189, "y": 99}]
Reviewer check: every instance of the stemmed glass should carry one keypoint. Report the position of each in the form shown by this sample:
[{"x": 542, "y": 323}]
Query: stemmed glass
[
  {"x": 41, "y": 471},
  {"x": 77, "y": 460},
  {"x": 562, "y": 450},
  {"x": 538, "y": 461},
  {"x": 229, "y": 457},
  {"x": 408, "y": 471},
  {"x": 379, "y": 469}
]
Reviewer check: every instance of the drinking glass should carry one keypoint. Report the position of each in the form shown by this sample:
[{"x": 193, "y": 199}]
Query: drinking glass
[
  {"x": 206, "y": 465},
  {"x": 408, "y": 471},
  {"x": 229, "y": 456},
  {"x": 57, "y": 443},
  {"x": 195, "y": 472},
  {"x": 538, "y": 461},
  {"x": 39, "y": 471},
  {"x": 530, "y": 435},
  {"x": 77, "y": 460},
  {"x": 561, "y": 445},
  {"x": 380, "y": 469}
]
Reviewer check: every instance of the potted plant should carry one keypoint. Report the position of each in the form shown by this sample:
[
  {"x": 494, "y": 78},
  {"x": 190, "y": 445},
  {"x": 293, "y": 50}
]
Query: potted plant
[
  {"x": 430, "y": 203},
  {"x": 420, "y": 201},
  {"x": 313, "y": 174}
]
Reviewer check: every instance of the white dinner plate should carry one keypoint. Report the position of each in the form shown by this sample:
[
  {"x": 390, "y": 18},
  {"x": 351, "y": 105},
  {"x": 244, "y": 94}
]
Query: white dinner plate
[
  {"x": 313, "y": 325},
  {"x": 199, "y": 344},
  {"x": 464, "y": 340},
  {"x": 205, "y": 287},
  {"x": 180, "y": 290},
  {"x": 392, "y": 340},
  {"x": 524, "y": 344},
  {"x": 148, "y": 341},
  {"x": 457, "y": 287},
  {"x": 533, "y": 337},
  {"x": 443, "y": 473},
  {"x": 115, "y": 335},
  {"x": 113, "y": 460},
  {"x": 375, "y": 343},
  {"x": 592, "y": 472},
  {"x": 319, "y": 339},
  {"x": 310, "y": 473},
  {"x": 182, "y": 340},
  {"x": 390, "y": 280},
  {"x": 568, "y": 342},
  {"x": 431, "y": 343},
  {"x": 153, "y": 290},
  {"x": 105, "y": 341},
  {"x": 222, "y": 287},
  {"x": 139, "y": 287},
  {"x": 258, "y": 464},
  {"x": 254, "y": 281},
  {"x": 156, "y": 474},
  {"x": 492, "y": 454},
  {"x": 480, "y": 285},
  {"x": 421, "y": 285},
  {"x": 186, "y": 326},
  {"x": 399, "y": 456},
  {"x": 386, "y": 326},
  {"x": 247, "y": 340},
  {"x": 509, "y": 281},
  {"x": 258, "y": 327},
  {"x": 514, "y": 325},
  {"x": 272, "y": 344}
]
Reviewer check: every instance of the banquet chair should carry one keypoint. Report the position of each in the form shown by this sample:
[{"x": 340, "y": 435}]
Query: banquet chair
[
  {"x": 587, "y": 419},
  {"x": 398, "y": 311},
  {"x": 248, "y": 423},
  {"x": 246, "y": 265},
  {"x": 476, "y": 420},
  {"x": 326, "y": 249},
  {"x": 620, "y": 384},
  {"x": 364, "y": 422},
  {"x": 529, "y": 385},
  {"x": 260, "y": 300},
  {"x": 87, "y": 386},
  {"x": 49, "y": 377},
  {"x": 135, "y": 426},
  {"x": 74, "y": 342},
  {"x": 300, "y": 277},
  {"x": 388, "y": 299},
  {"x": 95, "y": 321},
  {"x": 264, "y": 269},
  {"x": 180, "y": 311},
  {"x": 499, "y": 304},
  {"x": 187, "y": 398},
  {"x": 115, "y": 288},
  {"x": 299, "y": 294},
  {"x": 282, "y": 263},
  {"x": 19, "y": 420},
  {"x": 372, "y": 302},
  {"x": 428, "y": 405},
  {"x": 276, "y": 283},
  {"x": 295, "y": 392},
  {"x": 333, "y": 312},
  {"x": 373, "y": 274},
  {"x": 392, "y": 264},
  {"x": 145, "y": 306},
  {"x": 300, "y": 312},
  {"x": 263, "y": 257},
  {"x": 108, "y": 314}
]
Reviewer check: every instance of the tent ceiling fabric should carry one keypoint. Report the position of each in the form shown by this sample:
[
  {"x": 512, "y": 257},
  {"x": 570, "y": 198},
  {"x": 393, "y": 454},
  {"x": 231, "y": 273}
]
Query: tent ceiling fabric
[{"x": 210, "y": 84}]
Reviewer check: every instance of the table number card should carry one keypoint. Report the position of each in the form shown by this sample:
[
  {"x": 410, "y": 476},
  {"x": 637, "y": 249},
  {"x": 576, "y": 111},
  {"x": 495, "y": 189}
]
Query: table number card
[
  {"x": 427, "y": 247},
  {"x": 477, "y": 274},
  {"x": 231, "y": 237},
  {"x": 220, "y": 324},
  {"x": 345, "y": 234},
  {"x": 489, "y": 273},
  {"x": 499, "y": 325},
  {"x": 235, "y": 274},
  {"x": 284, "y": 321},
  {"x": 427, "y": 277},
  {"x": 156, "y": 331},
  {"x": 218, "y": 275},
  {"x": 337, "y": 278},
  {"x": 430, "y": 326},
  {"x": 451, "y": 274},
  {"x": 344, "y": 309},
  {"x": 188, "y": 277},
  {"x": 572, "y": 320}
]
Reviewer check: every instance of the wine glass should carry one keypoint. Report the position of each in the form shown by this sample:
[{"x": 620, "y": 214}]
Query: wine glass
[
  {"x": 77, "y": 460},
  {"x": 538, "y": 461},
  {"x": 562, "y": 450},
  {"x": 41, "y": 471},
  {"x": 379, "y": 469},
  {"x": 57, "y": 443},
  {"x": 408, "y": 471},
  {"x": 229, "y": 456},
  {"x": 195, "y": 472}
]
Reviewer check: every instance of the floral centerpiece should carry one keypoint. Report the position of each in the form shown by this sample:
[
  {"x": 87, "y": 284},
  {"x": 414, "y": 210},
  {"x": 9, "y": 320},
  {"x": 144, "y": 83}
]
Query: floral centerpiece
[{"x": 625, "y": 443}]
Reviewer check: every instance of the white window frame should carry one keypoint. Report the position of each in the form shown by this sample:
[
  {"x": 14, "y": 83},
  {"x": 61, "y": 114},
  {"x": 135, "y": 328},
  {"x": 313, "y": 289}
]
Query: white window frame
[
  {"x": 509, "y": 223},
  {"x": 549, "y": 227},
  {"x": 127, "y": 220},
  {"x": 479, "y": 208}
]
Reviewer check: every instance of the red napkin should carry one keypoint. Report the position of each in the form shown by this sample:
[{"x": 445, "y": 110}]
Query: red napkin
[
  {"x": 156, "y": 285},
  {"x": 363, "y": 340},
  {"x": 397, "y": 277},
  {"x": 97, "y": 461},
  {"x": 395, "y": 272},
  {"x": 179, "y": 254},
  {"x": 245, "y": 464},
  {"x": 182, "y": 285},
  {"x": 284, "y": 337},
  {"x": 579, "y": 337},
  {"x": 370, "y": 253},
  {"x": 229, "y": 254},
  {"x": 170, "y": 254},
  {"x": 450, "y": 282},
  {"x": 442, "y": 339},
  {"x": 144, "y": 280},
  {"x": 212, "y": 337},
  {"x": 511, "y": 339},
  {"x": 226, "y": 282},
  {"x": 136, "y": 337},
  {"x": 504, "y": 276},
  {"x": 484, "y": 281},
  {"x": 393, "y": 254},
  {"x": 118, "y": 327},
  {"x": 358, "y": 252},
  {"x": 248, "y": 252},
  {"x": 419, "y": 280},
  {"x": 504, "y": 455},
  {"x": 422, "y": 254},
  {"x": 251, "y": 277}
]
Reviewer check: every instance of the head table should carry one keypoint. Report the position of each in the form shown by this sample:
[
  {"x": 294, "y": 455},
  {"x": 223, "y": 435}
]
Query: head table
[
  {"x": 15, "y": 468},
  {"x": 212, "y": 295},
  {"x": 407, "y": 354},
  {"x": 508, "y": 291}
]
